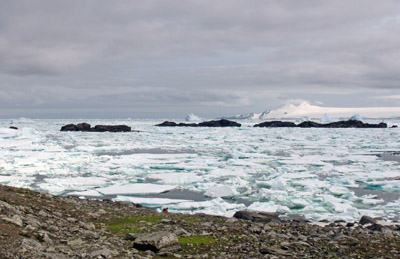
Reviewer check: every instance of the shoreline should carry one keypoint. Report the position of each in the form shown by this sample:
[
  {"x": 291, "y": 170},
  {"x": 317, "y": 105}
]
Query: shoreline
[{"x": 37, "y": 225}]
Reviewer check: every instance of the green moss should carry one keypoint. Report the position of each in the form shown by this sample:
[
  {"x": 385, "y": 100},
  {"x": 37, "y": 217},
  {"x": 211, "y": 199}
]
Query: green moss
[
  {"x": 125, "y": 225},
  {"x": 196, "y": 240}
]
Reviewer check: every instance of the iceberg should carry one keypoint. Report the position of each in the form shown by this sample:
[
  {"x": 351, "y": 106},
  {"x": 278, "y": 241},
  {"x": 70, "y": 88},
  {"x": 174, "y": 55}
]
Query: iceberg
[
  {"x": 135, "y": 188},
  {"x": 193, "y": 118},
  {"x": 221, "y": 191}
]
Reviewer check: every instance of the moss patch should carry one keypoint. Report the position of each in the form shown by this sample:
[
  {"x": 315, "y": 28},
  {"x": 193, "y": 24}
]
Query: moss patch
[{"x": 137, "y": 224}]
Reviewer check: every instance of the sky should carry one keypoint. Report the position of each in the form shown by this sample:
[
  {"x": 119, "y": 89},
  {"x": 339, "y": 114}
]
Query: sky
[{"x": 159, "y": 59}]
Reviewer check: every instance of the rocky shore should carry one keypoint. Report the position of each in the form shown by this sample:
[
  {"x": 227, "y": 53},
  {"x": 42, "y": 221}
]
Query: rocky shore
[
  {"x": 36, "y": 225},
  {"x": 312, "y": 124},
  {"x": 86, "y": 127},
  {"x": 215, "y": 123}
]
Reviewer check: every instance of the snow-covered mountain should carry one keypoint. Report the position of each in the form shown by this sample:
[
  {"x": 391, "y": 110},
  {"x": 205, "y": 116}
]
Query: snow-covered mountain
[
  {"x": 250, "y": 116},
  {"x": 305, "y": 109}
]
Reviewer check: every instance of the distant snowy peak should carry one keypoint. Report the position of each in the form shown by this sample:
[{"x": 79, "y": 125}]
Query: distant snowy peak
[
  {"x": 305, "y": 109},
  {"x": 250, "y": 116}
]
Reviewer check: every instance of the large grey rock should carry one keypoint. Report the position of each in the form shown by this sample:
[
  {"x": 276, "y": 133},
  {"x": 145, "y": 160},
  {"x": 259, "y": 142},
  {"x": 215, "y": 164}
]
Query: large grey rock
[
  {"x": 257, "y": 216},
  {"x": 367, "y": 220},
  {"x": 156, "y": 241}
]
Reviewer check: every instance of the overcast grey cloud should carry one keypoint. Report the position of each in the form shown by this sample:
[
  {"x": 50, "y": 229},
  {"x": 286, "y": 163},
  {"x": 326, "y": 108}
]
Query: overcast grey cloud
[{"x": 121, "y": 58}]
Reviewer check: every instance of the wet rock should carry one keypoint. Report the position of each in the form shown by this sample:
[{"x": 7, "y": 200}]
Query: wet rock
[{"x": 156, "y": 241}]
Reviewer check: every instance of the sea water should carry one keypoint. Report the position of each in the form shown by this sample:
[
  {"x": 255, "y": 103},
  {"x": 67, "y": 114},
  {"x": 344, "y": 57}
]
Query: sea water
[{"x": 314, "y": 173}]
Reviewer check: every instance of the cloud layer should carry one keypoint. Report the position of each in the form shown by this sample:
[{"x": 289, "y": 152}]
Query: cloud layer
[{"x": 168, "y": 58}]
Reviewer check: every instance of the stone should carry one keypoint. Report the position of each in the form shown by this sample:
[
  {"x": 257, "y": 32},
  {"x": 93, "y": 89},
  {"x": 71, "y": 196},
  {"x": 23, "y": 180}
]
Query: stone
[
  {"x": 367, "y": 220},
  {"x": 257, "y": 216},
  {"x": 104, "y": 253},
  {"x": 16, "y": 220},
  {"x": 156, "y": 241},
  {"x": 44, "y": 237}
]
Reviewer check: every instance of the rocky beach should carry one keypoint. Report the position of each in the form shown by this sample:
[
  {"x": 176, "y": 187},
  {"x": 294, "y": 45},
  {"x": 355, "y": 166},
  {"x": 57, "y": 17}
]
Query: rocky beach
[{"x": 38, "y": 225}]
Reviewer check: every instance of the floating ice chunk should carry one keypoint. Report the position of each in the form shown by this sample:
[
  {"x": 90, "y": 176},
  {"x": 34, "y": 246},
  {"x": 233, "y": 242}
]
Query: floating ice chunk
[
  {"x": 336, "y": 204},
  {"x": 150, "y": 202},
  {"x": 193, "y": 118},
  {"x": 177, "y": 178},
  {"x": 214, "y": 207},
  {"x": 338, "y": 190},
  {"x": 135, "y": 188},
  {"x": 221, "y": 191},
  {"x": 8, "y": 133},
  {"x": 90, "y": 193},
  {"x": 268, "y": 207},
  {"x": 371, "y": 199}
]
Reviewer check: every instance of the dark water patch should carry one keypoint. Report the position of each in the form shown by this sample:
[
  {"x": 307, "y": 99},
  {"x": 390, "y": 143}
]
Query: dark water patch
[
  {"x": 380, "y": 194},
  {"x": 182, "y": 194},
  {"x": 154, "y": 151},
  {"x": 390, "y": 156}
]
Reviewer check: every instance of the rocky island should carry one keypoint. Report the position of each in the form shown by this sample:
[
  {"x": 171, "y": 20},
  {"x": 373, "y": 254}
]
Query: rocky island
[
  {"x": 214, "y": 123},
  {"x": 98, "y": 128},
  {"x": 311, "y": 124},
  {"x": 36, "y": 225}
]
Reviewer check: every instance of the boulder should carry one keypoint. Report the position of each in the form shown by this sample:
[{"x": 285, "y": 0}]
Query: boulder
[
  {"x": 367, "y": 220},
  {"x": 257, "y": 216},
  {"x": 157, "y": 241}
]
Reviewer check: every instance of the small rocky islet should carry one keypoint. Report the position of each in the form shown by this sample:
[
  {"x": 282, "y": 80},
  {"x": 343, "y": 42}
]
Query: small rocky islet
[
  {"x": 85, "y": 127},
  {"x": 38, "y": 225}
]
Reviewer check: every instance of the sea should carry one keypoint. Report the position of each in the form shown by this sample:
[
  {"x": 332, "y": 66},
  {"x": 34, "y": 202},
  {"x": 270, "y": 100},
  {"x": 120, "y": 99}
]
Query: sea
[{"x": 313, "y": 173}]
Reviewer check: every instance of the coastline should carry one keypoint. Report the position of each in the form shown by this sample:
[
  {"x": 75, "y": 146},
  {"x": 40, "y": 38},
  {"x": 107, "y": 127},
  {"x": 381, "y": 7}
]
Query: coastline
[{"x": 37, "y": 225}]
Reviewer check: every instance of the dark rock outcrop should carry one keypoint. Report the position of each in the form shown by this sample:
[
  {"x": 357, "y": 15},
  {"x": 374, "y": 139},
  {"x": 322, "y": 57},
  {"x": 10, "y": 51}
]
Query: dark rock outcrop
[
  {"x": 98, "y": 128},
  {"x": 311, "y": 124},
  {"x": 257, "y": 216},
  {"x": 13, "y": 127},
  {"x": 215, "y": 123},
  {"x": 276, "y": 124}
]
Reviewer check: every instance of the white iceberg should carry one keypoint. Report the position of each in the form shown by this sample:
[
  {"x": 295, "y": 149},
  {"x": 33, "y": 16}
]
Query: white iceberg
[
  {"x": 135, "y": 188},
  {"x": 193, "y": 118},
  {"x": 221, "y": 191}
]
